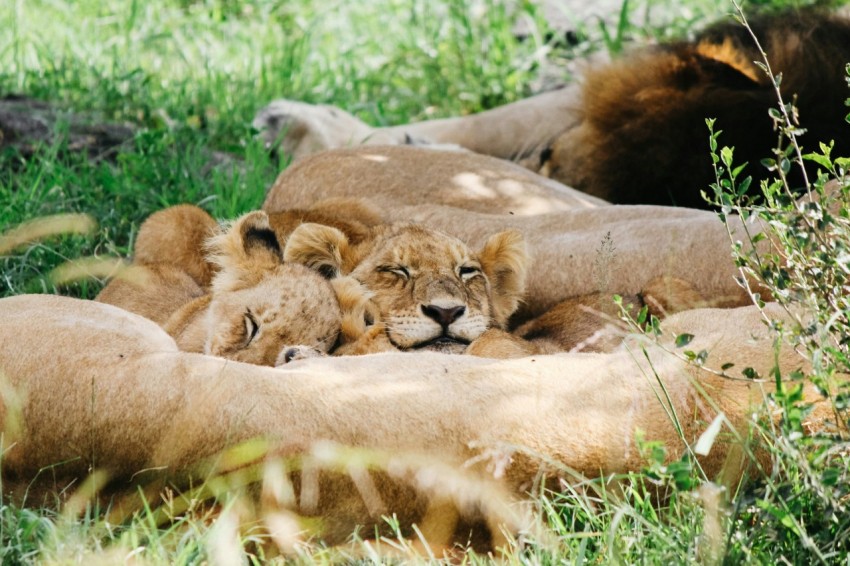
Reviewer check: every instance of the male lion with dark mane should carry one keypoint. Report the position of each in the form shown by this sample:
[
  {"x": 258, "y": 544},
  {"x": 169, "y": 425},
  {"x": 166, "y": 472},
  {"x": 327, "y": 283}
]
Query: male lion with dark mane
[{"x": 633, "y": 131}]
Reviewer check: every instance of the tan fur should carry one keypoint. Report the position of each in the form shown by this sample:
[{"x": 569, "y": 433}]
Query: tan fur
[
  {"x": 169, "y": 268},
  {"x": 514, "y": 131},
  {"x": 360, "y": 314},
  {"x": 429, "y": 289},
  {"x": 180, "y": 230},
  {"x": 389, "y": 176},
  {"x": 356, "y": 221},
  {"x": 575, "y": 246},
  {"x": 131, "y": 404},
  {"x": 134, "y": 406},
  {"x": 589, "y": 323},
  {"x": 154, "y": 291},
  {"x": 255, "y": 309}
]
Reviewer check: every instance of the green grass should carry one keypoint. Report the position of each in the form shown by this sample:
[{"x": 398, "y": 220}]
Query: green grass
[{"x": 191, "y": 75}]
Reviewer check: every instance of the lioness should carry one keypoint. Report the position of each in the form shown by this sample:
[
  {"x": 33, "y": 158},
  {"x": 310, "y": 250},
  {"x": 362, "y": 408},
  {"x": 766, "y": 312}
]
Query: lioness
[
  {"x": 633, "y": 131},
  {"x": 131, "y": 405},
  {"x": 227, "y": 292},
  {"x": 577, "y": 245}
]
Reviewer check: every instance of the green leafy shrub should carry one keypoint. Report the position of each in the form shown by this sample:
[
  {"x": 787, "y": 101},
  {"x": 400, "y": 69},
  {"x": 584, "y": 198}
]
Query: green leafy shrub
[{"x": 801, "y": 260}]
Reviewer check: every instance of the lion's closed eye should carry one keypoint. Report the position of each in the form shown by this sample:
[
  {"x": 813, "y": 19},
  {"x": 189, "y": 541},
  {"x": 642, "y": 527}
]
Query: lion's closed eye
[
  {"x": 467, "y": 272},
  {"x": 251, "y": 328},
  {"x": 397, "y": 270}
]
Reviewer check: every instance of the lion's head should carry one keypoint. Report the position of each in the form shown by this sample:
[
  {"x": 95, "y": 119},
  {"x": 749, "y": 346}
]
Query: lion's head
[
  {"x": 430, "y": 289},
  {"x": 262, "y": 310}
]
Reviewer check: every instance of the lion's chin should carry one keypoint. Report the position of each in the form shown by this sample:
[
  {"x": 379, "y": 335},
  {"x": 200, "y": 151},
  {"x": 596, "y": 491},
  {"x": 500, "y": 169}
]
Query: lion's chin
[{"x": 443, "y": 345}]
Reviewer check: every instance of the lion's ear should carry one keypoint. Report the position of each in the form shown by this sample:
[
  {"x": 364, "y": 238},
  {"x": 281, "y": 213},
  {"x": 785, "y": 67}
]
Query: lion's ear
[
  {"x": 319, "y": 247},
  {"x": 244, "y": 251},
  {"x": 504, "y": 260}
]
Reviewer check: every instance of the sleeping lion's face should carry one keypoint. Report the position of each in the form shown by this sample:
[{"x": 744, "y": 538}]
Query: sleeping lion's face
[{"x": 430, "y": 290}]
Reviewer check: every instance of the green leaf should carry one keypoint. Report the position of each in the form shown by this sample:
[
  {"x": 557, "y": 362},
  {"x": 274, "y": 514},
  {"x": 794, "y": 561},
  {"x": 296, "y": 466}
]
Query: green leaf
[
  {"x": 750, "y": 373},
  {"x": 641, "y": 317},
  {"x": 682, "y": 472},
  {"x": 737, "y": 170},
  {"x": 726, "y": 155},
  {"x": 655, "y": 325},
  {"x": 683, "y": 340},
  {"x": 821, "y": 160}
]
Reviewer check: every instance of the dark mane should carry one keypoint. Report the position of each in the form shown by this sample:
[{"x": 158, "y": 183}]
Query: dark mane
[{"x": 644, "y": 138}]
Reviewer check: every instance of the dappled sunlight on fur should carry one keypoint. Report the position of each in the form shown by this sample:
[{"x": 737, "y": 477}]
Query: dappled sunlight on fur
[
  {"x": 630, "y": 131},
  {"x": 505, "y": 419},
  {"x": 563, "y": 245},
  {"x": 154, "y": 400}
]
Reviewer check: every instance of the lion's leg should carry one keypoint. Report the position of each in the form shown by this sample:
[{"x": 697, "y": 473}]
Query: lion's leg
[
  {"x": 299, "y": 129},
  {"x": 502, "y": 345},
  {"x": 517, "y": 131},
  {"x": 153, "y": 291},
  {"x": 592, "y": 323}
]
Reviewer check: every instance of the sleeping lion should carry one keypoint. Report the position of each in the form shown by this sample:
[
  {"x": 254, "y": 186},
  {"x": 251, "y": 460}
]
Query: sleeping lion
[
  {"x": 133, "y": 405},
  {"x": 227, "y": 291},
  {"x": 237, "y": 293},
  {"x": 633, "y": 131}
]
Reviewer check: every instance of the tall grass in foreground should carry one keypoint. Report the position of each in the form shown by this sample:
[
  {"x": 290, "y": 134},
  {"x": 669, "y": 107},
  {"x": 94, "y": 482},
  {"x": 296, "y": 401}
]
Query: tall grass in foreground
[
  {"x": 803, "y": 505},
  {"x": 192, "y": 74}
]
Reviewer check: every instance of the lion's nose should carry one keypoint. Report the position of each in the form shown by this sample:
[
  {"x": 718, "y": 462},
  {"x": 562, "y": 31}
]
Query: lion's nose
[
  {"x": 443, "y": 316},
  {"x": 290, "y": 354}
]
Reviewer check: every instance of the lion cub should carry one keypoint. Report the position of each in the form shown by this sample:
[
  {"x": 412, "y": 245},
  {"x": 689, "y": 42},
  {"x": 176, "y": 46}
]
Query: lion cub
[
  {"x": 429, "y": 290},
  {"x": 239, "y": 300}
]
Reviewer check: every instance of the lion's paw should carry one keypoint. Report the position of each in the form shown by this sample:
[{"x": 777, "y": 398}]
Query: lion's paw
[
  {"x": 295, "y": 353},
  {"x": 299, "y": 129}
]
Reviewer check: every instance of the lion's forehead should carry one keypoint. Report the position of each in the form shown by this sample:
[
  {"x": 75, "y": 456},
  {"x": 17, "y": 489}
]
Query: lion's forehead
[
  {"x": 294, "y": 301},
  {"x": 423, "y": 250}
]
